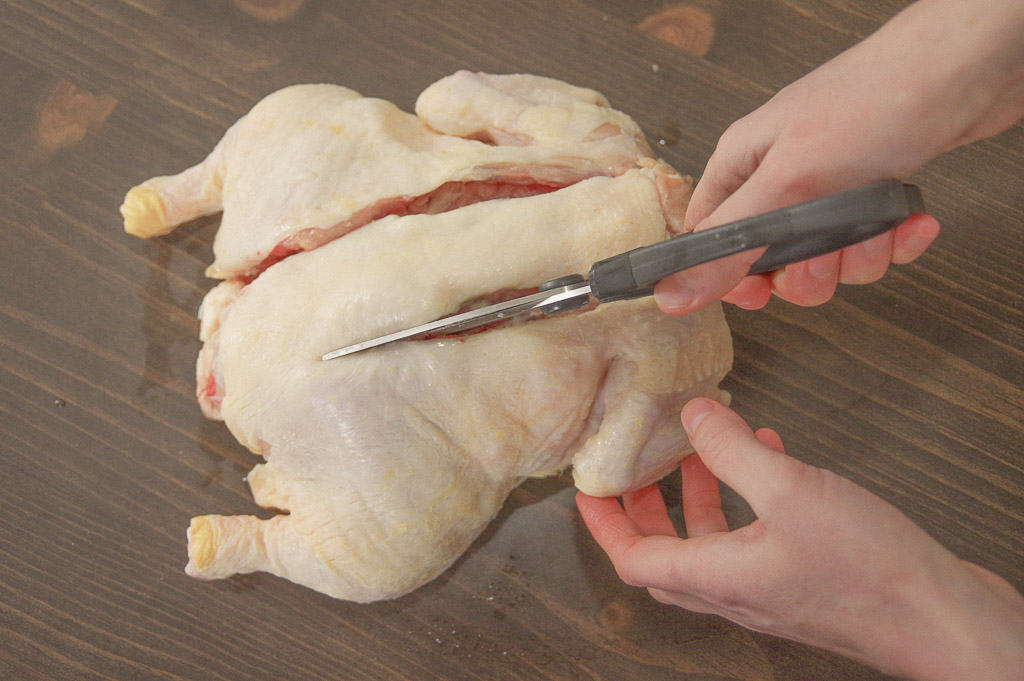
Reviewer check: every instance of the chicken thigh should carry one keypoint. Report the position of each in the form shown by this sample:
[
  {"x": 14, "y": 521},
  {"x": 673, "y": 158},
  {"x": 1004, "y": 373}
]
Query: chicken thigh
[{"x": 387, "y": 464}]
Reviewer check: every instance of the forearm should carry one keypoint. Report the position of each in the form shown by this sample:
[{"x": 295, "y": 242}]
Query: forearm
[
  {"x": 993, "y": 64},
  {"x": 965, "y": 58}
]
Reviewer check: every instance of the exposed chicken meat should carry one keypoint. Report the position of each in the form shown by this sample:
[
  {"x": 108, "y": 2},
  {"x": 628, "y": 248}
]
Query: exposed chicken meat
[{"x": 388, "y": 463}]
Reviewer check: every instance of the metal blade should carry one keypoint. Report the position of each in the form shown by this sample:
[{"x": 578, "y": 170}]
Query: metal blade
[{"x": 473, "y": 318}]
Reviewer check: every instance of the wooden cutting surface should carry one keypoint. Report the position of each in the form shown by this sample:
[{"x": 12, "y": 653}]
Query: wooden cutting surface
[{"x": 912, "y": 387}]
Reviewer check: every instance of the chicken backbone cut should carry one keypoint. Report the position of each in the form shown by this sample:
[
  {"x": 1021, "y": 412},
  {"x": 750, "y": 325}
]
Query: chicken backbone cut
[{"x": 344, "y": 219}]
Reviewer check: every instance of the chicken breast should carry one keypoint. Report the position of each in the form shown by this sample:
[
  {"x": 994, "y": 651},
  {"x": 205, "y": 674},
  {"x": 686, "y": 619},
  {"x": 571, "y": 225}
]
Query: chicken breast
[{"x": 388, "y": 463}]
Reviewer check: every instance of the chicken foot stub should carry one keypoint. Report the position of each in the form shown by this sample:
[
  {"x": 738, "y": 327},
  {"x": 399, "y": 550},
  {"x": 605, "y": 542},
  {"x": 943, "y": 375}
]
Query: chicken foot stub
[{"x": 390, "y": 462}]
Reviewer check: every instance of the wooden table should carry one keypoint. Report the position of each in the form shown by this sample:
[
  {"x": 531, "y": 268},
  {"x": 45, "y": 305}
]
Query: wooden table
[{"x": 912, "y": 387}]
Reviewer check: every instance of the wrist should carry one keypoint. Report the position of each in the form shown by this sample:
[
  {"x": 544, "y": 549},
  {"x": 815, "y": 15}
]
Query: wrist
[{"x": 955, "y": 623}]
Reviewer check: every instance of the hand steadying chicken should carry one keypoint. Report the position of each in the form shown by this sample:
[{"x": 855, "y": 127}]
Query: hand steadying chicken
[{"x": 826, "y": 562}]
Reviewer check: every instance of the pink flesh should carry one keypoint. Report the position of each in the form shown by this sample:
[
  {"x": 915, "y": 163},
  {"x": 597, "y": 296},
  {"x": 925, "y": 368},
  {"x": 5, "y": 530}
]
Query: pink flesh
[
  {"x": 448, "y": 196},
  {"x": 210, "y": 394},
  {"x": 482, "y": 301},
  {"x": 491, "y": 299}
]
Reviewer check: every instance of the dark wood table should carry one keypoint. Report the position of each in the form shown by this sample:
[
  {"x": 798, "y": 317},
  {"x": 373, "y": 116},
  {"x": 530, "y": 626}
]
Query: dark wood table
[{"x": 912, "y": 387}]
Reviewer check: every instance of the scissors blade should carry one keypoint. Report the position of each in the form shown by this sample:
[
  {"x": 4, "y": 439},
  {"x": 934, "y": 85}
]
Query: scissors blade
[{"x": 473, "y": 318}]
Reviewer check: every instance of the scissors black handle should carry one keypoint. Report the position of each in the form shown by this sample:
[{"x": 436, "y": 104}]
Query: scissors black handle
[{"x": 792, "y": 234}]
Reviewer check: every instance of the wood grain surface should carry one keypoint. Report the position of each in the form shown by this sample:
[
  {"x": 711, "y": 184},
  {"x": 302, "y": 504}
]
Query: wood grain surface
[{"x": 911, "y": 387}]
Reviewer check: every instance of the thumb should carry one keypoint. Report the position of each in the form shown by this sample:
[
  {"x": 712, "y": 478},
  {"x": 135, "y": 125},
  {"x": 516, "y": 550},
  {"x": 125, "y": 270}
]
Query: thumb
[{"x": 736, "y": 456}]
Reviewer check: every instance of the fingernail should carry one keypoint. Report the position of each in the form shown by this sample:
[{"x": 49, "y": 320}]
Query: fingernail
[
  {"x": 674, "y": 296},
  {"x": 695, "y": 412},
  {"x": 823, "y": 267}
]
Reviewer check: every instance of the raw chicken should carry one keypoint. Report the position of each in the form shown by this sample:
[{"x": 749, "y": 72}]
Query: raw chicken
[{"x": 387, "y": 464}]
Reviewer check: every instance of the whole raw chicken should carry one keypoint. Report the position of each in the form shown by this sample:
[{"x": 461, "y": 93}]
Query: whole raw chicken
[{"x": 386, "y": 464}]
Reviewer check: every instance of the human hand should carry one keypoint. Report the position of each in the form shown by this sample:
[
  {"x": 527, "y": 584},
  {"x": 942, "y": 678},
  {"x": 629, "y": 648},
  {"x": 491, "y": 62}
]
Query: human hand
[
  {"x": 826, "y": 562},
  {"x": 920, "y": 86}
]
